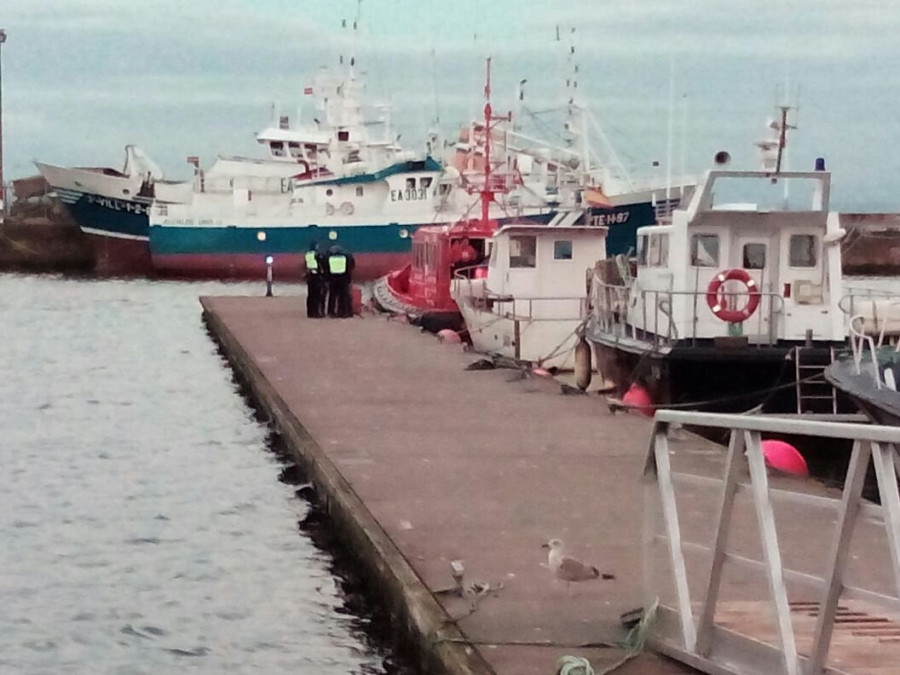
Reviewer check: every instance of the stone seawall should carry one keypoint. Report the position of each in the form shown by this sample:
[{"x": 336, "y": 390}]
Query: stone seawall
[
  {"x": 44, "y": 245},
  {"x": 872, "y": 244}
]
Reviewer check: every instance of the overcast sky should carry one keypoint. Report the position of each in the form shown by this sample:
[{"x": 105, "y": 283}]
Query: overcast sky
[{"x": 81, "y": 78}]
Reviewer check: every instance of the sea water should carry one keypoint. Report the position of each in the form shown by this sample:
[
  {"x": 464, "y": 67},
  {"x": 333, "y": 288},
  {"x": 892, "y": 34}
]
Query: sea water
[{"x": 144, "y": 525}]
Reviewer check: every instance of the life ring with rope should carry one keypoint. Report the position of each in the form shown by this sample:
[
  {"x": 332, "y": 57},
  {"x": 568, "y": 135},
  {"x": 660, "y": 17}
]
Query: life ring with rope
[{"x": 719, "y": 305}]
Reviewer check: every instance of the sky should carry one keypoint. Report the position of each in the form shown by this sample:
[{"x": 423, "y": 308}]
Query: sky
[{"x": 83, "y": 78}]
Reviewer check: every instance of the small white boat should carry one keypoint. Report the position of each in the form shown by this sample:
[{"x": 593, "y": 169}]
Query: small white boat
[{"x": 529, "y": 302}]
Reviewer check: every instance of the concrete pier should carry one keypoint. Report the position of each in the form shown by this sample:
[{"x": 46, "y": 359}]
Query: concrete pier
[{"x": 421, "y": 463}]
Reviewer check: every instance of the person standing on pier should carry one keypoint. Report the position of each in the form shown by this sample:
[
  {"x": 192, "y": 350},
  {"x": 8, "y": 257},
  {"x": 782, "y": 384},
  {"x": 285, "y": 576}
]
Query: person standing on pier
[
  {"x": 316, "y": 286},
  {"x": 340, "y": 268}
]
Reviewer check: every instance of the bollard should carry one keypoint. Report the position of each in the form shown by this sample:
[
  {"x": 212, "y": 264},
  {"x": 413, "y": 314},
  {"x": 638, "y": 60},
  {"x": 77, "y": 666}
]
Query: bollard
[{"x": 269, "y": 260}]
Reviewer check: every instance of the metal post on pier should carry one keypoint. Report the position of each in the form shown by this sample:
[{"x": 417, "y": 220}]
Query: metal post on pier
[{"x": 269, "y": 261}]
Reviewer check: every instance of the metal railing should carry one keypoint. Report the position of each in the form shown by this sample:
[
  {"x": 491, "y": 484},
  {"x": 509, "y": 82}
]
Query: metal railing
[
  {"x": 523, "y": 307},
  {"x": 689, "y": 626},
  {"x": 613, "y": 307}
]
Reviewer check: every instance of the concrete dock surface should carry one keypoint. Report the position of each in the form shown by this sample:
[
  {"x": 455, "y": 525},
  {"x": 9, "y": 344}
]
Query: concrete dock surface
[{"x": 432, "y": 463}]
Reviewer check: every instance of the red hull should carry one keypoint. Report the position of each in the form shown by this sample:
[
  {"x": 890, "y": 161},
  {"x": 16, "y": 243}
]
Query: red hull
[
  {"x": 287, "y": 266},
  {"x": 121, "y": 257}
]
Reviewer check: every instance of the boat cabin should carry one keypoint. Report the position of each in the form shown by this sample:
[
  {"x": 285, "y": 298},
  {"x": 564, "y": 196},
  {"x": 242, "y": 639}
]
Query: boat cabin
[{"x": 754, "y": 254}]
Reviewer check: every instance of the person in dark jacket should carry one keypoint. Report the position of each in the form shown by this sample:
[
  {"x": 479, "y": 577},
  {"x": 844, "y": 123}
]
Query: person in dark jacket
[
  {"x": 316, "y": 286},
  {"x": 340, "y": 268}
]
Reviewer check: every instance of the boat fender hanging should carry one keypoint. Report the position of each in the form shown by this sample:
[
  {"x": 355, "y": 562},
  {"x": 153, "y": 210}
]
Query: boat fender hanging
[
  {"x": 719, "y": 306},
  {"x": 582, "y": 364}
]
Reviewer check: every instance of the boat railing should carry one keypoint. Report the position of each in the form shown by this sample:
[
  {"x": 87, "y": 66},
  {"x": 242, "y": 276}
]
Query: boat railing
[
  {"x": 859, "y": 340},
  {"x": 517, "y": 307},
  {"x": 873, "y": 313},
  {"x": 613, "y": 309}
]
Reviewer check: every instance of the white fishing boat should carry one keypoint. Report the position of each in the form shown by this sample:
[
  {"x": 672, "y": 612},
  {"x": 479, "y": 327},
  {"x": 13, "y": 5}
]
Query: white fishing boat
[{"x": 529, "y": 302}]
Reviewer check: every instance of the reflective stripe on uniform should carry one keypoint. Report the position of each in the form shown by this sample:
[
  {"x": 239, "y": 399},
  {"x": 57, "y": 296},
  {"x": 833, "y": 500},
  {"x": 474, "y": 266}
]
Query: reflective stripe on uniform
[
  {"x": 337, "y": 264},
  {"x": 312, "y": 264}
]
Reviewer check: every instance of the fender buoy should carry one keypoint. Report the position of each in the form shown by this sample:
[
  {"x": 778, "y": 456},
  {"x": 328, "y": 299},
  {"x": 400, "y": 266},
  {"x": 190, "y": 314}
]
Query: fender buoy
[
  {"x": 719, "y": 306},
  {"x": 582, "y": 364},
  {"x": 784, "y": 457},
  {"x": 639, "y": 398}
]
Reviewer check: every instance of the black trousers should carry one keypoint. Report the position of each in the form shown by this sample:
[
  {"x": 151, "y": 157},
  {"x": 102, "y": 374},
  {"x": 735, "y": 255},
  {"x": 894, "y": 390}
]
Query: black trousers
[
  {"x": 316, "y": 291},
  {"x": 339, "y": 302}
]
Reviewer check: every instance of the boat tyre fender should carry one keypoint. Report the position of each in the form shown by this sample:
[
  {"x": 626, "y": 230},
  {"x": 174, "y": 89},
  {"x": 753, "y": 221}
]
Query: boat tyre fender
[
  {"x": 719, "y": 306},
  {"x": 347, "y": 208}
]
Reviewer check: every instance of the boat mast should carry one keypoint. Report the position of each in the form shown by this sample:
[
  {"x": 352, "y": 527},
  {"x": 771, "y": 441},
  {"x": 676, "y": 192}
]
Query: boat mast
[{"x": 487, "y": 196}]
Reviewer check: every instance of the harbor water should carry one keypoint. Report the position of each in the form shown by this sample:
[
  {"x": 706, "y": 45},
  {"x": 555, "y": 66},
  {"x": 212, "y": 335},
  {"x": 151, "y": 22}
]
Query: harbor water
[{"x": 148, "y": 525}]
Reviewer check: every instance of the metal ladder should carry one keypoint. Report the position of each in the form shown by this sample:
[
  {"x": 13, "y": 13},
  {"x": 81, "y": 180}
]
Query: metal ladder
[{"x": 811, "y": 392}]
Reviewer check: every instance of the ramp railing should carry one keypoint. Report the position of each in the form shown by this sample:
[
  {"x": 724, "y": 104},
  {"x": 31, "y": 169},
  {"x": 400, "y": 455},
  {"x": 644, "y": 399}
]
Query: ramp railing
[{"x": 787, "y": 627}]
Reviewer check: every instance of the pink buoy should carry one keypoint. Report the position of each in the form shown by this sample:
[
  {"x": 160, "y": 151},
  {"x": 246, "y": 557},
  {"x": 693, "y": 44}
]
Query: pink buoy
[
  {"x": 542, "y": 372},
  {"x": 449, "y": 336},
  {"x": 784, "y": 457},
  {"x": 639, "y": 398}
]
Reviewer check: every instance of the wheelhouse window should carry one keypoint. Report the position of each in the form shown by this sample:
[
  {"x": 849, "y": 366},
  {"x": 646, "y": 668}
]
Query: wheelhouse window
[
  {"x": 294, "y": 149},
  {"x": 444, "y": 189},
  {"x": 562, "y": 249},
  {"x": 705, "y": 250},
  {"x": 658, "y": 250},
  {"x": 359, "y": 190},
  {"x": 425, "y": 182},
  {"x": 277, "y": 148},
  {"x": 522, "y": 251},
  {"x": 410, "y": 183},
  {"x": 754, "y": 257},
  {"x": 343, "y": 135},
  {"x": 803, "y": 250}
]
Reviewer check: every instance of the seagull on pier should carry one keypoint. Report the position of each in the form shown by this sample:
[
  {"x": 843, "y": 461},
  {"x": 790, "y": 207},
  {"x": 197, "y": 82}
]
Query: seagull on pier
[{"x": 569, "y": 569}]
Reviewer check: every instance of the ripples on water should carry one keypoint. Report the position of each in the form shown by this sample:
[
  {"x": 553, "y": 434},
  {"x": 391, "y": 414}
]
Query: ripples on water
[{"x": 144, "y": 528}]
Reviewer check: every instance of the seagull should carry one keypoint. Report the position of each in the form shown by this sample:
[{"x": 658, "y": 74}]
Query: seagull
[{"x": 569, "y": 569}]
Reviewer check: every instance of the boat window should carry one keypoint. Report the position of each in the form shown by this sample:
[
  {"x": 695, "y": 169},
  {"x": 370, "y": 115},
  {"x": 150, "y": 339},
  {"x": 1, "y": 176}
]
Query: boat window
[
  {"x": 410, "y": 183},
  {"x": 522, "y": 251},
  {"x": 277, "y": 148},
  {"x": 425, "y": 182},
  {"x": 343, "y": 135},
  {"x": 329, "y": 192},
  {"x": 705, "y": 250},
  {"x": 359, "y": 190},
  {"x": 642, "y": 250},
  {"x": 803, "y": 250},
  {"x": 294, "y": 149},
  {"x": 658, "y": 250},
  {"x": 562, "y": 249},
  {"x": 754, "y": 256},
  {"x": 445, "y": 189}
]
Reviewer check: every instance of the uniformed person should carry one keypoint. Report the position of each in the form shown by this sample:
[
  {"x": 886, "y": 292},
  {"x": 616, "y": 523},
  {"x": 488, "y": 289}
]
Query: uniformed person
[
  {"x": 340, "y": 268},
  {"x": 316, "y": 288}
]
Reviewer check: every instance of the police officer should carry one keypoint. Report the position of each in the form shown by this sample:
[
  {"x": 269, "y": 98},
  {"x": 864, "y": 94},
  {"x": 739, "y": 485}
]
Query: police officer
[
  {"x": 340, "y": 267},
  {"x": 316, "y": 287}
]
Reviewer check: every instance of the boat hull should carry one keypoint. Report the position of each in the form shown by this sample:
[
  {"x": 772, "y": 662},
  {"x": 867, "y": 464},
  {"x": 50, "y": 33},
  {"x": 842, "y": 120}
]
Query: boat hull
[
  {"x": 714, "y": 379},
  {"x": 881, "y": 405},
  {"x": 240, "y": 251}
]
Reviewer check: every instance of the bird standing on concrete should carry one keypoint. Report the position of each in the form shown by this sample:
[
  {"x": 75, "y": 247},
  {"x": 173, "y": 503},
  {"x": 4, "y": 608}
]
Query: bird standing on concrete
[{"x": 569, "y": 569}]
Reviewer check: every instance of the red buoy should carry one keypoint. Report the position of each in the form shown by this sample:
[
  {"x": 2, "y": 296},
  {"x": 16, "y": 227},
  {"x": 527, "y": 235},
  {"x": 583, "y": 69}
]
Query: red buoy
[
  {"x": 784, "y": 457},
  {"x": 639, "y": 399}
]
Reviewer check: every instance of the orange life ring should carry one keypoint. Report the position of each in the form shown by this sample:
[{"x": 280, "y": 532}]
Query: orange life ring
[{"x": 719, "y": 306}]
